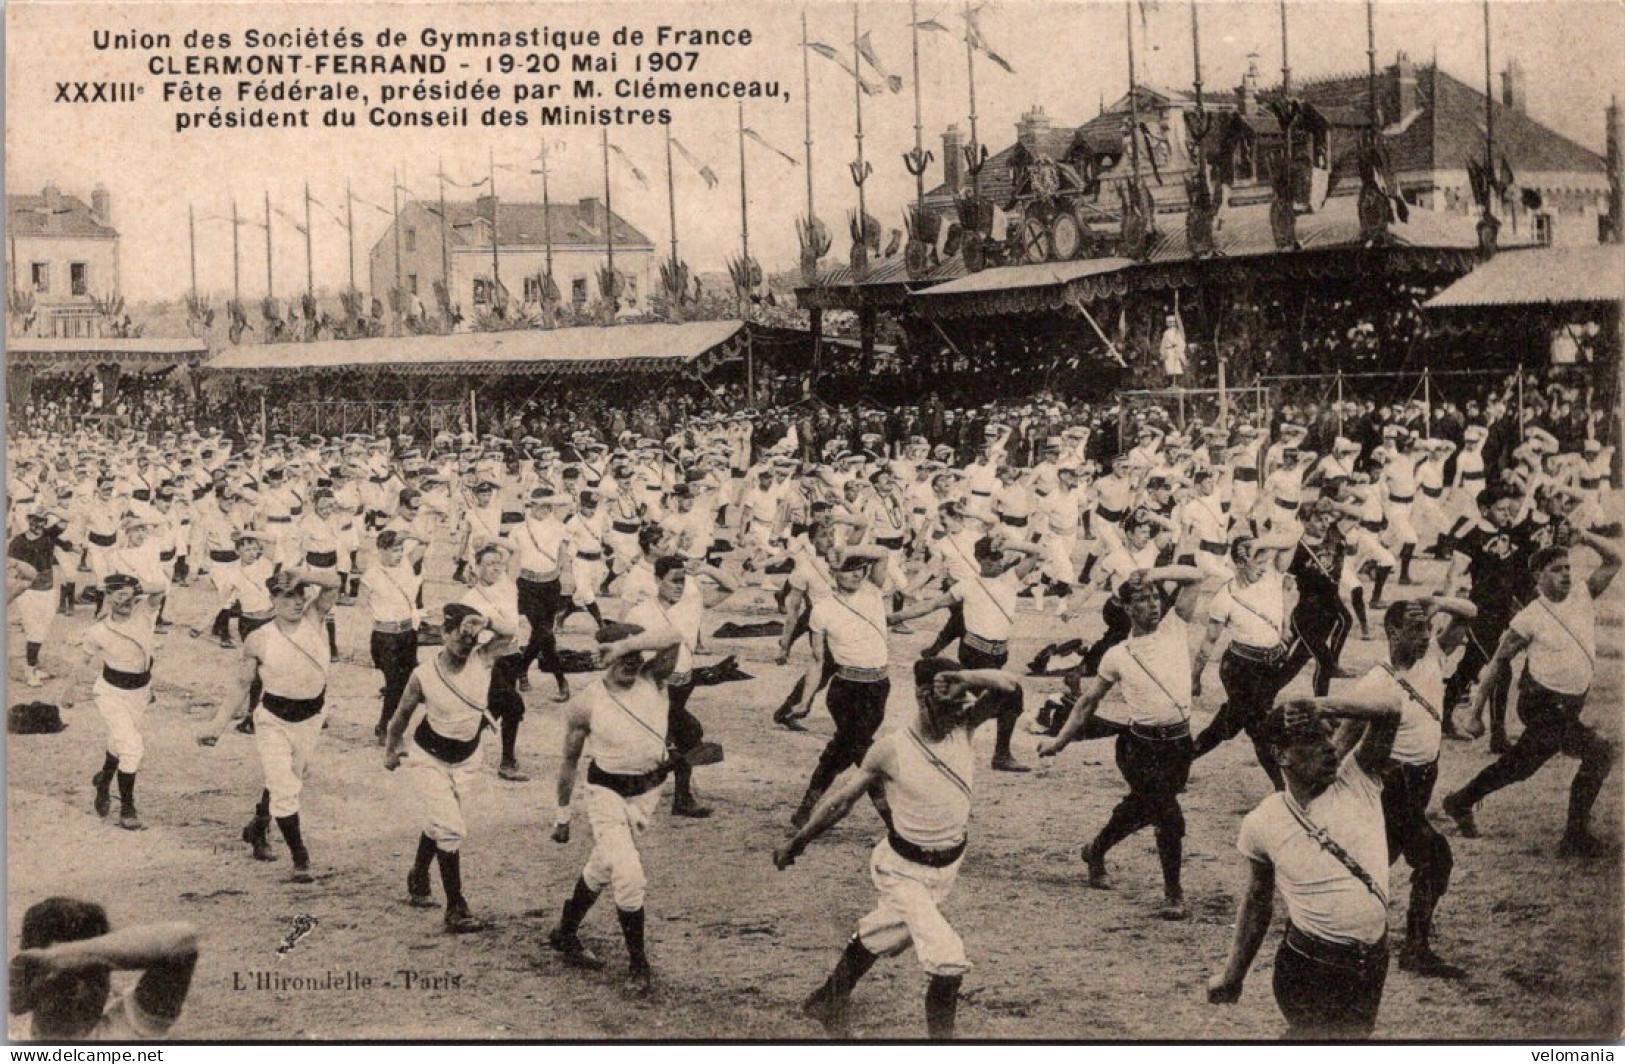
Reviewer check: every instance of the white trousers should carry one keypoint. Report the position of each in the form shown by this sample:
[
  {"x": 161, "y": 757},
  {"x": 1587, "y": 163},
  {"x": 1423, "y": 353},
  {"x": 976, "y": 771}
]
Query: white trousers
[
  {"x": 123, "y": 711},
  {"x": 285, "y": 754},
  {"x": 616, "y": 824},
  {"x": 35, "y": 609},
  {"x": 908, "y": 913},
  {"x": 439, "y": 790}
]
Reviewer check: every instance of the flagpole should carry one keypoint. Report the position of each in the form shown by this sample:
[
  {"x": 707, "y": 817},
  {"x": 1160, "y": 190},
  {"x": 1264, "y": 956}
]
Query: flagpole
[
  {"x": 236, "y": 261},
  {"x": 919, "y": 126},
  {"x": 395, "y": 182},
  {"x": 1371, "y": 64},
  {"x": 1489, "y": 123},
  {"x": 806, "y": 103},
  {"x": 975, "y": 147},
  {"x": 310, "y": 267},
  {"x": 270, "y": 289},
  {"x": 857, "y": 93},
  {"x": 349, "y": 228},
  {"x": 1133, "y": 102},
  {"x": 445, "y": 229},
  {"x": 1286, "y": 64},
  {"x": 191, "y": 235},
  {"x": 744, "y": 223},
  {"x": 496, "y": 267},
  {"x": 671, "y": 202},
  {"x": 609, "y": 235}
]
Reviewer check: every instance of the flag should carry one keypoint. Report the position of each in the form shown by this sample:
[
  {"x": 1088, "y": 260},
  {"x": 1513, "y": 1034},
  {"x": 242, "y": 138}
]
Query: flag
[
  {"x": 973, "y": 36},
  {"x": 786, "y": 156},
  {"x": 630, "y": 165},
  {"x": 288, "y": 217},
  {"x": 708, "y": 175},
  {"x": 931, "y": 24},
  {"x": 374, "y": 206},
  {"x": 458, "y": 184},
  {"x": 869, "y": 88},
  {"x": 866, "y": 49}
]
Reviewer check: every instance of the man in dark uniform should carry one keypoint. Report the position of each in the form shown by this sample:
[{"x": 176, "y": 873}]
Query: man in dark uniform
[{"x": 1496, "y": 560}]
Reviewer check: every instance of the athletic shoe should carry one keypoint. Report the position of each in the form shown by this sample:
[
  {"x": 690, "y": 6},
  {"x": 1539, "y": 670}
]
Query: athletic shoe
[
  {"x": 1580, "y": 844},
  {"x": 640, "y": 982},
  {"x": 104, "y": 798},
  {"x": 573, "y": 951},
  {"x": 1098, "y": 877},
  {"x": 1422, "y": 961}
]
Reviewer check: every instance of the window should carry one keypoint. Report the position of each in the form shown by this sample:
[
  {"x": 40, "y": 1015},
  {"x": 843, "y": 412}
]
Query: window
[
  {"x": 533, "y": 290},
  {"x": 578, "y": 291},
  {"x": 630, "y": 290},
  {"x": 79, "y": 278},
  {"x": 41, "y": 272},
  {"x": 482, "y": 291},
  {"x": 411, "y": 240},
  {"x": 412, "y": 283},
  {"x": 1543, "y": 228}
]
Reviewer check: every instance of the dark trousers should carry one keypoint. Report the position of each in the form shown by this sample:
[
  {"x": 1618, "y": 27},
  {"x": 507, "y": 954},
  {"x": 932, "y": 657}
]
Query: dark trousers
[
  {"x": 1008, "y": 703},
  {"x": 858, "y": 710},
  {"x": 683, "y": 728},
  {"x": 395, "y": 654},
  {"x": 539, "y": 603},
  {"x": 1551, "y": 725},
  {"x": 1483, "y": 636},
  {"x": 1325, "y": 998},
  {"x": 1156, "y": 770},
  {"x": 1406, "y": 791},
  {"x": 1321, "y": 625},
  {"x": 1250, "y": 688},
  {"x": 505, "y": 701}
]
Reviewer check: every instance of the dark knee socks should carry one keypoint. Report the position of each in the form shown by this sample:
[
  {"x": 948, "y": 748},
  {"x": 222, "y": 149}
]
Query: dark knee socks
[
  {"x": 941, "y": 1005},
  {"x": 451, "y": 877},
  {"x": 126, "y": 793},
  {"x": 291, "y": 834},
  {"x": 1380, "y": 581},
  {"x": 32, "y": 653},
  {"x": 632, "y": 931},
  {"x": 576, "y": 908}
]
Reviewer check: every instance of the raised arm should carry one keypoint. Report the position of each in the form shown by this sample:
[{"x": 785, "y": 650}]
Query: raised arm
[{"x": 1603, "y": 574}]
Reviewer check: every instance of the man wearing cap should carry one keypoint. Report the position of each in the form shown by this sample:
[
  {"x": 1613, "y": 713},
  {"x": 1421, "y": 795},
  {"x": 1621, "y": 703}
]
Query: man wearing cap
[
  {"x": 1399, "y": 478},
  {"x": 989, "y": 601},
  {"x": 851, "y": 625},
  {"x": 36, "y": 547},
  {"x": 495, "y": 595},
  {"x": 1495, "y": 561},
  {"x": 390, "y": 590},
  {"x": 679, "y": 605},
  {"x": 219, "y": 522},
  {"x": 927, "y": 771},
  {"x": 1559, "y": 631},
  {"x": 1151, "y": 666},
  {"x": 444, "y": 766},
  {"x": 482, "y": 524},
  {"x": 588, "y": 528},
  {"x": 623, "y": 716},
  {"x": 1320, "y": 622},
  {"x": 1322, "y": 843},
  {"x": 319, "y": 540},
  {"x": 289, "y": 658},
  {"x": 123, "y": 641},
  {"x": 544, "y": 548}
]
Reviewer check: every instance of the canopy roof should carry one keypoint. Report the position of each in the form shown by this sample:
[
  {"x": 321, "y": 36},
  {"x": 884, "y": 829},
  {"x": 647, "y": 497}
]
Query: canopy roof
[
  {"x": 41, "y": 352},
  {"x": 1552, "y": 275},
  {"x": 614, "y": 349}
]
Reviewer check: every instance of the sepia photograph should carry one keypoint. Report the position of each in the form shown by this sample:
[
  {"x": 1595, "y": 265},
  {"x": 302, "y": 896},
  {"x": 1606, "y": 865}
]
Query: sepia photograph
[{"x": 765, "y": 522}]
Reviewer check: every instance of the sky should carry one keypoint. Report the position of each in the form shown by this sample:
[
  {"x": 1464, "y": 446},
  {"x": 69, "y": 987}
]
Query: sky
[{"x": 1066, "y": 58}]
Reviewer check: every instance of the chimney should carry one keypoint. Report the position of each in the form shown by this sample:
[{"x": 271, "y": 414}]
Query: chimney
[
  {"x": 592, "y": 213},
  {"x": 1405, "y": 86},
  {"x": 1247, "y": 94},
  {"x": 101, "y": 206},
  {"x": 1515, "y": 87},
  {"x": 953, "y": 158},
  {"x": 1033, "y": 130}
]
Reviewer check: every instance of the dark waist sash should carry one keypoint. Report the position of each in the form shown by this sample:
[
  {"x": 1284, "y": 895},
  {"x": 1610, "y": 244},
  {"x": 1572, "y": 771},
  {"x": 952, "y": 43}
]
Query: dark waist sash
[
  {"x": 1265, "y": 655},
  {"x": 293, "y": 710},
  {"x": 1433, "y": 493},
  {"x": 126, "y": 681},
  {"x": 437, "y": 746},
  {"x": 1374, "y": 526},
  {"x": 279, "y": 520},
  {"x": 1356, "y": 956},
  {"x": 1590, "y": 483},
  {"x": 908, "y": 851},
  {"x": 1215, "y": 548},
  {"x": 590, "y": 555},
  {"x": 167, "y": 555},
  {"x": 1109, "y": 514},
  {"x": 512, "y": 517},
  {"x": 1013, "y": 522},
  {"x": 223, "y": 557},
  {"x": 889, "y": 542},
  {"x": 625, "y": 786},
  {"x": 322, "y": 559},
  {"x": 1287, "y": 504},
  {"x": 1472, "y": 474},
  {"x": 1401, "y": 499},
  {"x": 1244, "y": 476},
  {"x": 1161, "y": 733},
  {"x": 99, "y": 540},
  {"x": 626, "y": 528}
]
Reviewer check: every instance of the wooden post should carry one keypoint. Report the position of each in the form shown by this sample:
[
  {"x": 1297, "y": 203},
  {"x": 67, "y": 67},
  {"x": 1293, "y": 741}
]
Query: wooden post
[
  {"x": 191, "y": 237},
  {"x": 265, "y": 421},
  {"x": 1427, "y": 400},
  {"x": 1224, "y": 394},
  {"x": 473, "y": 414}
]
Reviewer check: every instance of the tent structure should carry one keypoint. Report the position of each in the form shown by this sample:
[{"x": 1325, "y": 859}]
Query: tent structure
[
  {"x": 129, "y": 353},
  {"x": 1547, "y": 276},
  {"x": 698, "y": 345}
]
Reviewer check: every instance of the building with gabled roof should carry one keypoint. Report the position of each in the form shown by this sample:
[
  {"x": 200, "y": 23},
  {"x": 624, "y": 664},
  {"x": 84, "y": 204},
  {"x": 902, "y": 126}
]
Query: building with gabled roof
[
  {"x": 62, "y": 260},
  {"x": 421, "y": 247}
]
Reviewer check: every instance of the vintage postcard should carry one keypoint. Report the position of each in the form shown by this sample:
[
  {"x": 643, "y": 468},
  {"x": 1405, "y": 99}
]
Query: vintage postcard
[{"x": 987, "y": 520}]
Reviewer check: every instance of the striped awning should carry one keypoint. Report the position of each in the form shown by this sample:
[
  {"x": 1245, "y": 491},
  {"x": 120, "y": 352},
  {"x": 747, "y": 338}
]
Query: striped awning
[
  {"x": 82, "y": 352},
  {"x": 1541, "y": 276}
]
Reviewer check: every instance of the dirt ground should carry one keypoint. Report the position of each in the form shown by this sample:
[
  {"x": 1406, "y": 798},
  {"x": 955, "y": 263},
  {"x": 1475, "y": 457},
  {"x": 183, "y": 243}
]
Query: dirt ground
[{"x": 735, "y": 944}]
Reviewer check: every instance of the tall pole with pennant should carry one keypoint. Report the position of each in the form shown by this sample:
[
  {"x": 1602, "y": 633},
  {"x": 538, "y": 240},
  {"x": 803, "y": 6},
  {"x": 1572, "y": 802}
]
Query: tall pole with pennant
[
  {"x": 310, "y": 261},
  {"x": 191, "y": 236},
  {"x": 270, "y": 284},
  {"x": 859, "y": 169},
  {"x": 236, "y": 258}
]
